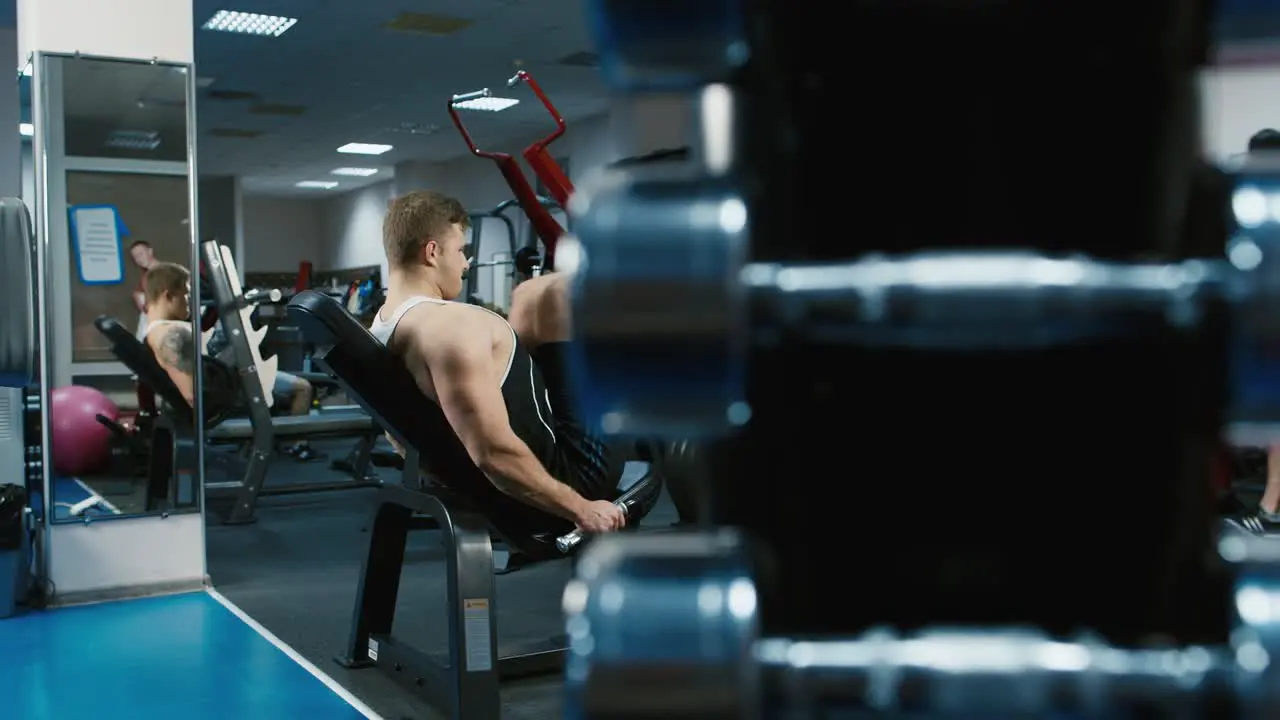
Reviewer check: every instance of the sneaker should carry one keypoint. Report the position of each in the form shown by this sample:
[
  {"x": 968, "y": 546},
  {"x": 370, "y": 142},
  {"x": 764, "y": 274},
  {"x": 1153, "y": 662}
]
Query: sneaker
[
  {"x": 1260, "y": 523},
  {"x": 304, "y": 454}
]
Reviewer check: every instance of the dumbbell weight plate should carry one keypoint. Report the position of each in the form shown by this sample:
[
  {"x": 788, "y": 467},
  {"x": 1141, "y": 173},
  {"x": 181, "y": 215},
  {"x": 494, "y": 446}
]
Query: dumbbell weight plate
[{"x": 661, "y": 626}]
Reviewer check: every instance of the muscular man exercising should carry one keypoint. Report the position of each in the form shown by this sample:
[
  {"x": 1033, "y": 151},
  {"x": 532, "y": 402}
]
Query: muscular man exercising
[
  {"x": 167, "y": 287},
  {"x": 503, "y": 386}
]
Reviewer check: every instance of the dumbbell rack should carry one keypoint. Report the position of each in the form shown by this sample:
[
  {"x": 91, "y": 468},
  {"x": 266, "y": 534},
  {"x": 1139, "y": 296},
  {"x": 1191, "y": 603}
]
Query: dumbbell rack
[{"x": 689, "y": 647}]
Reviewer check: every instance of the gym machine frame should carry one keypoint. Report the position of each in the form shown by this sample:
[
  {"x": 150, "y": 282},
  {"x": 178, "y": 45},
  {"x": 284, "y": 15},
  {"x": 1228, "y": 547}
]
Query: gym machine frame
[
  {"x": 465, "y": 684},
  {"x": 547, "y": 229},
  {"x": 244, "y": 493},
  {"x": 477, "y": 232},
  {"x": 499, "y": 212}
]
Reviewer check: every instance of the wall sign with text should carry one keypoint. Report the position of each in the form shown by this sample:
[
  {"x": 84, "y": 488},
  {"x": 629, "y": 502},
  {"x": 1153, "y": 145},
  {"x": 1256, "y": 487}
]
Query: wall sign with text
[{"x": 95, "y": 238}]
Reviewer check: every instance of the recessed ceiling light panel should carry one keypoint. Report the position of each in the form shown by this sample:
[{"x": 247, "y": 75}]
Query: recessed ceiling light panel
[
  {"x": 354, "y": 171},
  {"x": 364, "y": 149},
  {"x": 487, "y": 104},
  {"x": 247, "y": 23}
]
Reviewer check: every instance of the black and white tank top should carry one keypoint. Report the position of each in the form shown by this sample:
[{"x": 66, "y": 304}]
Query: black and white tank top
[{"x": 523, "y": 389}]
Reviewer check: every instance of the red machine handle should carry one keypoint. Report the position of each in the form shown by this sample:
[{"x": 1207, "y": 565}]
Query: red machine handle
[
  {"x": 546, "y": 227},
  {"x": 304, "y": 276},
  {"x": 546, "y": 168}
]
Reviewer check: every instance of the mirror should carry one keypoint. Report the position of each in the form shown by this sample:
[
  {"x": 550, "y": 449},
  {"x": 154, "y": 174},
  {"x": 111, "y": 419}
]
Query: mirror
[{"x": 124, "y": 367}]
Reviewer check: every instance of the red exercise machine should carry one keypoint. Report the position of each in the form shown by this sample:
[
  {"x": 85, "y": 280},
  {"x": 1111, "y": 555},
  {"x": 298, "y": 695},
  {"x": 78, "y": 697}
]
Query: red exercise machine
[{"x": 544, "y": 166}]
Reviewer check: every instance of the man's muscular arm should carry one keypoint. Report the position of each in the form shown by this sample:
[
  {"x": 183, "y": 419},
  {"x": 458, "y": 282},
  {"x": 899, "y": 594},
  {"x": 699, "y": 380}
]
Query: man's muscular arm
[
  {"x": 176, "y": 351},
  {"x": 460, "y": 361}
]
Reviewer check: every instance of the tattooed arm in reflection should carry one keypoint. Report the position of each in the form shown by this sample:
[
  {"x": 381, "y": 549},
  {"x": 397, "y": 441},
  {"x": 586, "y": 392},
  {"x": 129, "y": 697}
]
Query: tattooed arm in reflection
[{"x": 175, "y": 349}]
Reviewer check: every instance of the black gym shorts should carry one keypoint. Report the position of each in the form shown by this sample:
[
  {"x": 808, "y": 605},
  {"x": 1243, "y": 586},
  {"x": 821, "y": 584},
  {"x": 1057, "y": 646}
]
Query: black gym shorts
[{"x": 581, "y": 460}]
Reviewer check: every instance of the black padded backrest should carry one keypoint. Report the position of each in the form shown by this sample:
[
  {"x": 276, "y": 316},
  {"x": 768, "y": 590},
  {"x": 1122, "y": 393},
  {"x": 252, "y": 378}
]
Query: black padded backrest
[{"x": 138, "y": 357}]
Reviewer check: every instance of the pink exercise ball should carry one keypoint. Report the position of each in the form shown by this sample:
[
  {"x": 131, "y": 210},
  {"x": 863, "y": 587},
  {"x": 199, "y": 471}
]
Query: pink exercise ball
[{"x": 81, "y": 444}]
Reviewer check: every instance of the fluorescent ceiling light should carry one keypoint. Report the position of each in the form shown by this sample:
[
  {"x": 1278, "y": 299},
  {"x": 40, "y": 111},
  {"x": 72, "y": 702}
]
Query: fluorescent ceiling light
[
  {"x": 354, "y": 172},
  {"x": 246, "y": 23},
  {"x": 317, "y": 184},
  {"x": 26, "y": 129},
  {"x": 487, "y": 104},
  {"x": 364, "y": 149},
  {"x": 134, "y": 139}
]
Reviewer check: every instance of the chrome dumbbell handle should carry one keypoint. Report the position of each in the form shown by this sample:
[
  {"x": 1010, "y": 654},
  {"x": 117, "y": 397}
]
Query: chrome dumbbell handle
[
  {"x": 566, "y": 543},
  {"x": 664, "y": 273}
]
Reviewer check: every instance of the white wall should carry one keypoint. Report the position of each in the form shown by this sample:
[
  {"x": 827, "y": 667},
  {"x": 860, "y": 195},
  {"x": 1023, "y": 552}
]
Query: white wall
[
  {"x": 9, "y": 117},
  {"x": 279, "y": 233},
  {"x": 353, "y": 222},
  {"x": 1238, "y": 102},
  {"x": 351, "y": 226}
]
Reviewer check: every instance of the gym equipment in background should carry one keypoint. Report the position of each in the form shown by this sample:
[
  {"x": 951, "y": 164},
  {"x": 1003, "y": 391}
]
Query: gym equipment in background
[
  {"x": 236, "y": 499},
  {"x": 363, "y": 295},
  {"x": 18, "y": 342},
  {"x": 547, "y": 229},
  {"x": 465, "y": 687},
  {"x": 81, "y": 441},
  {"x": 958, "y": 318},
  {"x": 520, "y": 261},
  {"x": 20, "y": 396}
]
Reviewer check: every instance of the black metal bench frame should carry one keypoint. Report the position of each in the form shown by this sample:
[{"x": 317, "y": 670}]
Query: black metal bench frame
[
  {"x": 465, "y": 685},
  {"x": 238, "y": 499},
  {"x": 173, "y": 450},
  {"x": 172, "y": 434}
]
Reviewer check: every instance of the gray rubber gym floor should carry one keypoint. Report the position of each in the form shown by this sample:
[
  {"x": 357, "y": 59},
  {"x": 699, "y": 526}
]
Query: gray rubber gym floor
[{"x": 295, "y": 571}]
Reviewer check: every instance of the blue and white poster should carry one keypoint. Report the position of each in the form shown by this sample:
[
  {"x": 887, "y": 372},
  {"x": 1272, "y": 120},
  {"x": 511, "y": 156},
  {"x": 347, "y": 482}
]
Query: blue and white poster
[{"x": 95, "y": 236}]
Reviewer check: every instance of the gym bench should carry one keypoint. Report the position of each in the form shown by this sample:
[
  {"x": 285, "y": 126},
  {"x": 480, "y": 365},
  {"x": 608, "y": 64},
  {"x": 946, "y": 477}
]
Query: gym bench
[
  {"x": 173, "y": 438},
  {"x": 465, "y": 685},
  {"x": 172, "y": 441}
]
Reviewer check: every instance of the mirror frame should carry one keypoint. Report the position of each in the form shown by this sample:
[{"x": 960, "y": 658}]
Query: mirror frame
[{"x": 48, "y": 117}]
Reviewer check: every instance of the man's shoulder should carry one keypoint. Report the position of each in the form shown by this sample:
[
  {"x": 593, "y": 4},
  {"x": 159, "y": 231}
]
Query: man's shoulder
[
  {"x": 452, "y": 317},
  {"x": 450, "y": 324}
]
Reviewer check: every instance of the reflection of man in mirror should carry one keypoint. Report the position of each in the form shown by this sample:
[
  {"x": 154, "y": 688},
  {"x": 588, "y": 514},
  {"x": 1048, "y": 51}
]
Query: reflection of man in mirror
[
  {"x": 167, "y": 288},
  {"x": 144, "y": 257}
]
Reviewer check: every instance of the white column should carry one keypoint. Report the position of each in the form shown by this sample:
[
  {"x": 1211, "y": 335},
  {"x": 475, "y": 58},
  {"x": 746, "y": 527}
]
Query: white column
[
  {"x": 128, "y": 29},
  {"x": 136, "y": 555}
]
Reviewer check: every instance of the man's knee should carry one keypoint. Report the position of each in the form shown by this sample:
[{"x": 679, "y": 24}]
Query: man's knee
[{"x": 541, "y": 309}]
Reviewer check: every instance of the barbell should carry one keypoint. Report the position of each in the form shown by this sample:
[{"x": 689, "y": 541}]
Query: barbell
[{"x": 527, "y": 262}]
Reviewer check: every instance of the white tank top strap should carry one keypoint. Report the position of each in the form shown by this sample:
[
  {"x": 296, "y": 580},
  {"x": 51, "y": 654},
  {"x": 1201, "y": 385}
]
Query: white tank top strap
[
  {"x": 382, "y": 330},
  {"x": 162, "y": 323}
]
